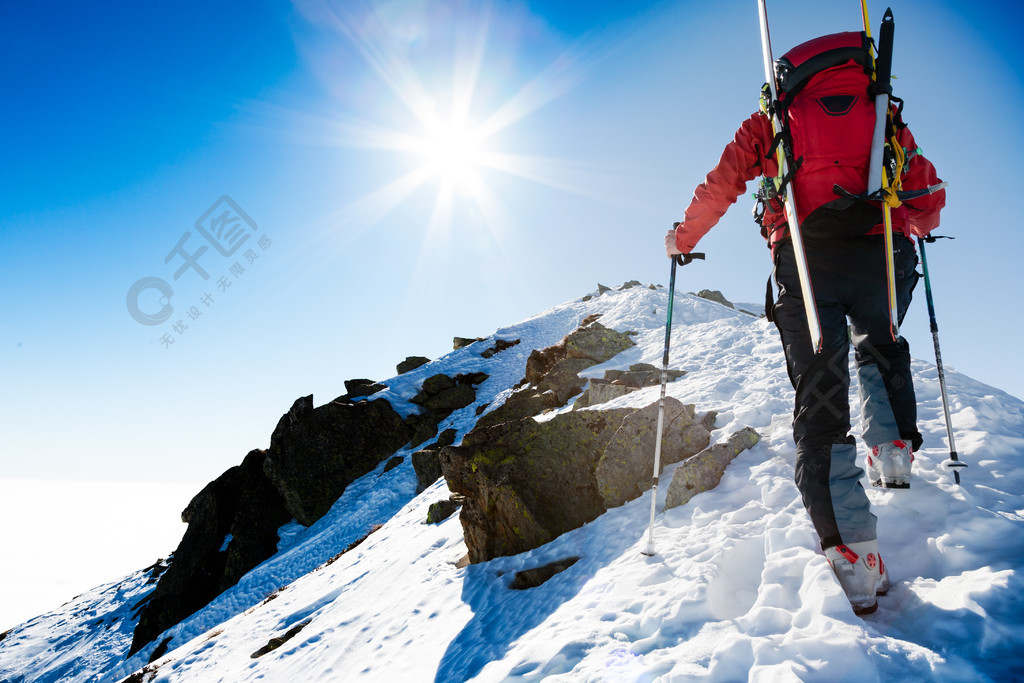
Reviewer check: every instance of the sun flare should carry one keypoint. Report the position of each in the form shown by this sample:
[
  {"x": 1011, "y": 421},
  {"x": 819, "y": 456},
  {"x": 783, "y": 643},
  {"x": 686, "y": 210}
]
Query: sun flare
[{"x": 454, "y": 151}]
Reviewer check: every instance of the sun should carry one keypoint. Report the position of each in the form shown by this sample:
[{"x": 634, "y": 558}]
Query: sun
[{"x": 453, "y": 150}]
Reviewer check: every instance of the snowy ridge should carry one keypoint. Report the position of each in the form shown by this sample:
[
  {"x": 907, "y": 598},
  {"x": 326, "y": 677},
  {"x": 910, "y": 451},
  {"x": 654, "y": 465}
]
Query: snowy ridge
[{"x": 737, "y": 590}]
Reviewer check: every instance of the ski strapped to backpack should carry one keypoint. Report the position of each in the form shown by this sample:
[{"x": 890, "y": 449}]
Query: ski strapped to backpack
[{"x": 783, "y": 157}]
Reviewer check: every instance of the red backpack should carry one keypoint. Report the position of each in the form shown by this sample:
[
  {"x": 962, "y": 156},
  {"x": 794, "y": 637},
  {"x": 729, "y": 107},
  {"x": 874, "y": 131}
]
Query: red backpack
[{"x": 826, "y": 105}]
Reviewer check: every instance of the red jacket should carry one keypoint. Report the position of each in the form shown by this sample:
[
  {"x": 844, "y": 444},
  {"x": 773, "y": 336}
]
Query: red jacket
[{"x": 744, "y": 159}]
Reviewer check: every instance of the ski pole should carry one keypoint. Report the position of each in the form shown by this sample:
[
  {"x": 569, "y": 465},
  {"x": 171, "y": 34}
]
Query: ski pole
[
  {"x": 681, "y": 259},
  {"x": 953, "y": 462}
]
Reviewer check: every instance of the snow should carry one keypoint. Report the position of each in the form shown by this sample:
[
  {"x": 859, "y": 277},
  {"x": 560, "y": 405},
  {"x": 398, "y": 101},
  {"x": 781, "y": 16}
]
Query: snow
[
  {"x": 101, "y": 528},
  {"x": 737, "y": 589}
]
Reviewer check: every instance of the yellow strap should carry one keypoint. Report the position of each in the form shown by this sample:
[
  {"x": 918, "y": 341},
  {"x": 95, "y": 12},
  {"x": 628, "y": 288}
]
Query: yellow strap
[{"x": 896, "y": 183}]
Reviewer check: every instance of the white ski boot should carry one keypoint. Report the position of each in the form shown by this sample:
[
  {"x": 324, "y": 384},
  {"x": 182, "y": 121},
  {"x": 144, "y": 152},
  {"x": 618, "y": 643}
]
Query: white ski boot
[
  {"x": 889, "y": 465},
  {"x": 861, "y": 573}
]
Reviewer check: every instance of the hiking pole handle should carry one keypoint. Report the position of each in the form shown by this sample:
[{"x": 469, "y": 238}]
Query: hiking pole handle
[{"x": 685, "y": 259}]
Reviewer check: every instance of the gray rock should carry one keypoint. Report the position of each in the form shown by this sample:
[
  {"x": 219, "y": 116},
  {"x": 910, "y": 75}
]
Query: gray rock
[
  {"x": 624, "y": 470},
  {"x": 704, "y": 471},
  {"x": 601, "y": 391},
  {"x": 716, "y": 296}
]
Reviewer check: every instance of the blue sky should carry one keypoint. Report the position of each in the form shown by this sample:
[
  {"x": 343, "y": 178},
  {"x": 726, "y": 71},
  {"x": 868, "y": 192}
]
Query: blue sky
[{"x": 320, "y": 122}]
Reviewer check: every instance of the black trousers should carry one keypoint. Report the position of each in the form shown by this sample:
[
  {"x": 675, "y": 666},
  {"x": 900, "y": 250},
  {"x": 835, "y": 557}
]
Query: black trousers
[{"x": 848, "y": 276}]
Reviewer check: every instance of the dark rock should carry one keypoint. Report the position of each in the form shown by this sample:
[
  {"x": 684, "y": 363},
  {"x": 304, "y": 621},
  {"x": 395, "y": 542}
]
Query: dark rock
[
  {"x": 427, "y": 466},
  {"x": 445, "y": 438},
  {"x": 315, "y": 454},
  {"x": 531, "y": 578},
  {"x": 278, "y": 641},
  {"x": 441, "y": 510},
  {"x": 432, "y": 386},
  {"x": 441, "y": 405},
  {"x": 601, "y": 289},
  {"x": 411, "y": 363},
  {"x": 462, "y": 342},
  {"x": 473, "y": 378},
  {"x": 356, "y": 388},
  {"x": 630, "y": 285},
  {"x": 520, "y": 404},
  {"x": 704, "y": 471},
  {"x": 499, "y": 346},
  {"x": 716, "y": 296},
  {"x": 423, "y": 429},
  {"x": 425, "y": 462},
  {"x": 241, "y": 503},
  {"x": 392, "y": 464}
]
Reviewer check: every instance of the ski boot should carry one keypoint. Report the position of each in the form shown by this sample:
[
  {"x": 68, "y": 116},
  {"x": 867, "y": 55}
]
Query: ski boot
[
  {"x": 861, "y": 573},
  {"x": 889, "y": 465}
]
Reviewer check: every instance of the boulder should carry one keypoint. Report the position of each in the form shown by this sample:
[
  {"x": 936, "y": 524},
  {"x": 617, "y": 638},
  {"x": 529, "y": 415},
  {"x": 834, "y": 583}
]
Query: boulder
[
  {"x": 426, "y": 463},
  {"x": 356, "y": 388},
  {"x": 624, "y": 470},
  {"x": 601, "y": 391},
  {"x": 703, "y": 471},
  {"x": 315, "y": 454},
  {"x": 716, "y": 296},
  {"x": 411, "y": 363},
  {"x": 442, "y": 510},
  {"x": 462, "y": 342},
  {"x": 526, "y": 482}
]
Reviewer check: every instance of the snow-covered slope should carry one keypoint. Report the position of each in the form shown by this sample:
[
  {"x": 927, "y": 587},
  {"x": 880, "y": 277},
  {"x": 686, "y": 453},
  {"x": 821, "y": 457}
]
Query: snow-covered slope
[{"x": 737, "y": 590}]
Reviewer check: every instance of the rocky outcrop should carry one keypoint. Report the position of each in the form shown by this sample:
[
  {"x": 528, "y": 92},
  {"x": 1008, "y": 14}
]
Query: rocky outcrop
[
  {"x": 411, "y": 363},
  {"x": 526, "y": 482},
  {"x": 315, "y": 454},
  {"x": 552, "y": 374},
  {"x": 232, "y": 527},
  {"x": 618, "y": 383},
  {"x": 439, "y": 397},
  {"x": 704, "y": 471},
  {"x": 624, "y": 469},
  {"x": 357, "y": 388}
]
